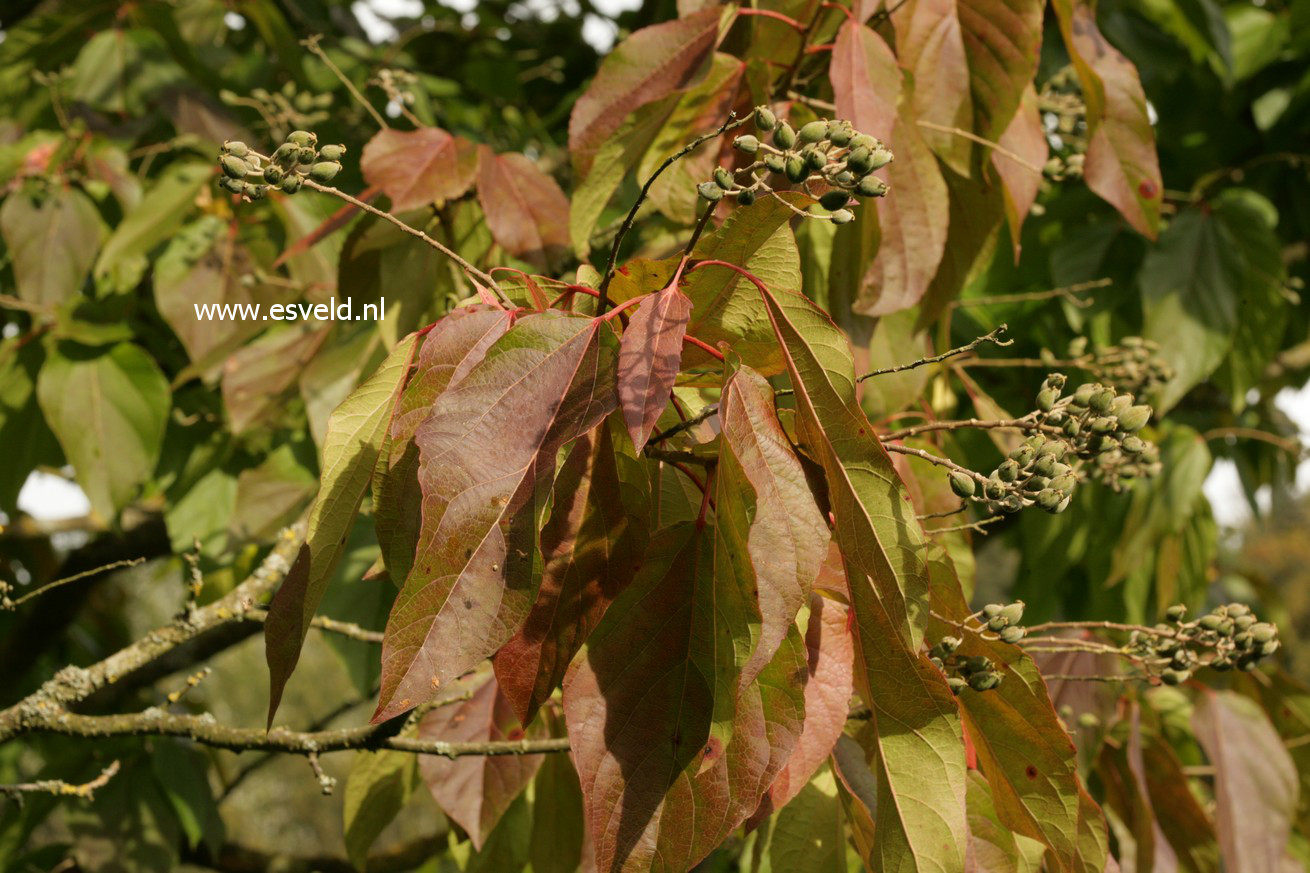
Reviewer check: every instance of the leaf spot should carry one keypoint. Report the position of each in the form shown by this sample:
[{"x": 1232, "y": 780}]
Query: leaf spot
[{"x": 1030, "y": 771}]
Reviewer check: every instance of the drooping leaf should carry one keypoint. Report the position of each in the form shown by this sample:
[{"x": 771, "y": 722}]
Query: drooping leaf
[
  {"x": 1122, "y": 166},
  {"x": 650, "y": 355},
  {"x": 417, "y": 167},
  {"x": 1184, "y": 823},
  {"x": 379, "y": 786},
  {"x": 920, "y": 747},
  {"x": 475, "y": 790},
  {"x": 994, "y": 848},
  {"x": 182, "y": 774},
  {"x": 152, "y": 220},
  {"x": 672, "y": 752},
  {"x": 592, "y": 545},
  {"x": 1002, "y": 39},
  {"x": 645, "y": 67},
  {"x": 355, "y": 435},
  {"x": 51, "y": 244},
  {"x": 108, "y": 411},
  {"x": 558, "y": 830},
  {"x": 525, "y": 208},
  {"x": 22, "y": 427},
  {"x": 931, "y": 47},
  {"x": 486, "y": 460},
  {"x": 1256, "y": 788},
  {"x": 808, "y": 835},
  {"x": 271, "y": 495},
  {"x": 1024, "y": 137}
]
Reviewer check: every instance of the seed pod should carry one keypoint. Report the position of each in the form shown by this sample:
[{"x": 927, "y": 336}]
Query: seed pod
[
  {"x": 747, "y": 144},
  {"x": 1209, "y": 622},
  {"x": 814, "y": 158},
  {"x": 842, "y": 216},
  {"x": 324, "y": 171},
  {"x": 815, "y": 131},
  {"x": 1012, "y": 635},
  {"x": 1082, "y": 397},
  {"x": 1222, "y": 664},
  {"x": 1013, "y": 612},
  {"x": 1101, "y": 400},
  {"x": 937, "y": 662},
  {"x": 840, "y": 133},
  {"x": 871, "y": 186},
  {"x": 332, "y": 152},
  {"x": 1181, "y": 659},
  {"x": 863, "y": 140},
  {"x": 286, "y": 155},
  {"x": 233, "y": 167},
  {"x": 845, "y": 179},
  {"x": 257, "y": 192},
  {"x": 996, "y": 624},
  {"x": 1064, "y": 483},
  {"x": 1023, "y": 456},
  {"x": 1267, "y": 649},
  {"x": 879, "y": 158},
  {"x": 784, "y": 137},
  {"x": 994, "y": 489},
  {"x": 1132, "y": 445},
  {"x": 956, "y": 684},
  {"x": 1045, "y": 466},
  {"x": 1072, "y": 427},
  {"x": 1233, "y": 610},
  {"x": 1135, "y": 418},
  {"x": 306, "y": 156},
  {"x": 1053, "y": 448},
  {"x": 1176, "y": 613},
  {"x": 977, "y": 663},
  {"x": 709, "y": 191},
  {"x": 1008, "y": 471},
  {"x": 723, "y": 179},
  {"x": 834, "y": 200},
  {"x": 859, "y": 161},
  {"x": 236, "y": 186},
  {"x": 1035, "y": 484},
  {"x": 962, "y": 484},
  {"x": 1244, "y": 622},
  {"x": 1103, "y": 425},
  {"x": 302, "y": 138},
  {"x": 1089, "y": 720},
  {"x": 796, "y": 169},
  {"x": 1011, "y": 503},
  {"x": 745, "y": 197},
  {"x": 765, "y": 120},
  {"x": 291, "y": 183},
  {"x": 1120, "y": 404},
  {"x": 1263, "y": 632},
  {"x": 984, "y": 681},
  {"x": 236, "y": 149},
  {"x": 1175, "y": 677},
  {"x": 273, "y": 174},
  {"x": 949, "y": 644},
  {"x": 1050, "y": 499},
  {"x": 775, "y": 163},
  {"x": 1046, "y": 399}
]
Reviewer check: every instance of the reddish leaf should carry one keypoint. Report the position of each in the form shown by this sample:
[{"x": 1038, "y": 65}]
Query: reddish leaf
[
  {"x": 931, "y": 48},
  {"x": 1003, "y": 42},
  {"x": 650, "y": 355},
  {"x": 648, "y": 65},
  {"x": 475, "y": 790},
  {"x": 913, "y": 218},
  {"x": 1255, "y": 781},
  {"x": 487, "y": 456},
  {"x": 257, "y": 376},
  {"x": 417, "y": 167},
  {"x": 592, "y": 545},
  {"x": 526, "y": 211},
  {"x": 1184, "y": 822},
  {"x": 1024, "y": 137},
  {"x": 1122, "y": 166},
  {"x": 672, "y": 752}
]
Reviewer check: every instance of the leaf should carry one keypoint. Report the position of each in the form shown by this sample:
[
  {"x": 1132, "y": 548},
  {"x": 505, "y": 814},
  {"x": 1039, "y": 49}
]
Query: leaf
[
  {"x": 155, "y": 218},
  {"x": 52, "y": 244},
  {"x": 773, "y": 539},
  {"x": 994, "y": 848},
  {"x": 918, "y": 735},
  {"x": 931, "y": 48},
  {"x": 1122, "y": 166},
  {"x": 650, "y": 355},
  {"x": 808, "y": 834},
  {"x": 1256, "y": 786},
  {"x": 23, "y": 431},
  {"x": 1024, "y": 137},
  {"x": 1003, "y": 42},
  {"x": 418, "y": 167},
  {"x": 592, "y": 545},
  {"x": 271, "y": 495},
  {"x": 109, "y": 412},
  {"x": 913, "y": 219},
  {"x": 1180, "y": 816},
  {"x": 475, "y": 790},
  {"x": 379, "y": 786},
  {"x": 350, "y": 453},
  {"x": 182, "y": 774},
  {"x": 525, "y": 208},
  {"x": 645, "y": 67},
  {"x": 557, "y": 826},
  {"x": 672, "y": 753},
  {"x": 259, "y": 375},
  {"x": 486, "y": 458}
]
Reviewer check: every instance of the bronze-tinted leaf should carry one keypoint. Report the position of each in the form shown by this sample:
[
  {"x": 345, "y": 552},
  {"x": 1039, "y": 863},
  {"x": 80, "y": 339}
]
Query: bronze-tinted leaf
[
  {"x": 930, "y": 45},
  {"x": 1024, "y": 137},
  {"x": 417, "y": 167},
  {"x": 475, "y": 790},
  {"x": 650, "y": 355},
  {"x": 592, "y": 545},
  {"x": 1003, "y": 41},
  {"x": 526, "y": 210},
  {"x": 487, "y": 457}
]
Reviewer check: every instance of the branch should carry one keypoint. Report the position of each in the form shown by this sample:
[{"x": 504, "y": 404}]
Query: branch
[
  {"x": 994, "y": 337},
  {"x": 1068, "y": 292},
  {"x": 1025, "y": 423},
  {"x": 933, "y": 459},
  {"x": 60, "y": 788},
  {"x": 312, "y": 44},
  {"x": 7, "y": 604}
]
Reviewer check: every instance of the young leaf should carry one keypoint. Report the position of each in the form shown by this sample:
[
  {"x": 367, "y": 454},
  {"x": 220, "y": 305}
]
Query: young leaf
[
  {"x": 525, "y": 208},
  {"x": 379, "y": 786},
  {"x": 475, "y": 790},
  {"x": 417, "y": 167},
  {"x": 486, "y": 460},
  {"x": 350, "y": 453},
  {"x": 650, "y": 355},
  {"x": 52, "y": 244},
  {"x": 109, "y": 413},
  {"x": 592, "y": 545},
  {"x": 1122, "y": 166}
]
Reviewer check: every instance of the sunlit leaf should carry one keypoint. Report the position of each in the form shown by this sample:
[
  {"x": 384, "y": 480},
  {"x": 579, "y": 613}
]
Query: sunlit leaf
[
  {"x": 525, "y": 208},
  {"x": 1002, "y": 39},
  {"x": 417, "y": 167},
  {"x": 650, "y": 355},
  {"x": 931, "y": 47}
]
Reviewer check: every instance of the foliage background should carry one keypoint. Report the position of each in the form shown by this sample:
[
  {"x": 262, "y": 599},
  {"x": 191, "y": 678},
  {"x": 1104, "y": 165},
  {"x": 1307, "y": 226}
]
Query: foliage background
[{"x": 114, "y": 112}]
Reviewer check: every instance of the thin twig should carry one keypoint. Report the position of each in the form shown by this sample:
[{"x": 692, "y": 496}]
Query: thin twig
[
  {"x": 61, "y": 788},
  {"x": 1292, "y": 447},
  {"x": 978, "y": 526},
  {"x": 1068, "y": 292},
  {"x": 933, "y": 459},
  {"x": 992, "y": 337},
  {"x": 6, "y": 603},
  {"x": 983, "y": 141},
  {"x": 1026, "y": 423},
  {"x": 347, "y": 629},
  {"x": 312, "y": 44}
]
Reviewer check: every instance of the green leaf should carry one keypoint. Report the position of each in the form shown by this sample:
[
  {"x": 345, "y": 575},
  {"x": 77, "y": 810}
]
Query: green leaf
[
  {"x": 52, "y": 244},
  {"x": 592, "y": 546},
  {"x": 350, "y": 453},
  {"x": 23, "y": 431},
  {"x": 808, "y": 835},
  {"x": 558, "y": 830},
  {"x": 155, "y": 218},
  {"x": 377, "y": 789},
  {"x": 259, "y": 376},
  {"x": 108, "y": 412},
  {"x": 120, "y": 69},
  {"x": 202, "y": 514},
  {"x": 183, "y": 774},
  {"x": 487, "y": 457},
  {"x": 993, "y": 847},
  {"x": 272, "y": 495}
]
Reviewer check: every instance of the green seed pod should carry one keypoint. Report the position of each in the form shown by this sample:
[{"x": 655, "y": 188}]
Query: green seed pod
[
  {"x": 872, "y": 186},
  {"x": 956, "y": 684},
  {"x": 842, "y": 216},
  {"x": 236, "y": 149},
  {"x": 1011, "y": 503},
  {"x": 306, "y": 156},
  {"x": 1135, "y": 418},
  {"x": 864, "y": 141},
  {"x": 845, "y": 179},
  {"x": 1035, "y": 484},
  {"x": 747, "y": 144},
  {"x": 1209, "y": 622},
  {"x": 745, "y": 197},
  {"x": 1008, "y": 471},
  {"x": 937, "y": 662},
  {"x": 286, "y": 155},
  {"x": 784, "y": 137},
  {"x": 1023, "y": 456},
  {"x": 1175, "y": 677},
  {"x": 1012, "y": 635},
  {"x": 1046, "y": 399},
  {"x": 1072, "y": 427},
  {"x": 302, "y": 138},
  {"x": 1263, "y": 632},
  {"x": 879, "y": 158},
  {"x": 233, "y": 167},
  {"x": 834, "y": 200},
  {"x": 775, "y": 163},
  {"x": 723, "y": 179},
  {"x": 962, "y": 484},
  {"x": 815, "y": 131},
  {"x": 859, "y": 161},
  {"x": 1053, "y": 448},
  {"x": 1104, "y": 425},
  {"x": 1120, "y": 404},
  {"x": 273, "y": 174},
  {"x": 840, "y": 133},
  {"x": 709, "y": 191},
  {"x": 796, "y": 169},
  {"x": 236, "y": 186},
  {"x": 1089, "y": 720},
  {"x": 1244, "y": 622},
  {"x": 291, "y": 183},
  {"x": 1176, "y": 613},
  {"x": 765, "y": 120},
  {"x": 1082, "y": 397},
  {"x": 977, "y": 663},
  {"x": 1050, "y": 499},
  {"x": 324, "y": 171},
  {"x": 257, "y": 192},
  {"x": 949, "y": 645},
  {"x": 814, "y": 158},
  {"x": 1064, "y": 483},
  {"x": 1045, "y": 466},
  {"x": 1222, "y": 664},
  {"x": 332, "y": 152},
  {"x": 1181, "y": 659},
  {"x": 984, "y": 681},
  {"x": 1101, "y": 400},
  {"x": 1013, "y": 612},
  {"x": 1037, "y": 441},
  {"x": 1233, "y": 610},
  {"x": 1226, "y": 627},
  {"x": 1267, "y": 649},
  {"x": 997, "y": 624},
  {"x": 994, "y": 489},
  {"x": 1132, "y": 445}
]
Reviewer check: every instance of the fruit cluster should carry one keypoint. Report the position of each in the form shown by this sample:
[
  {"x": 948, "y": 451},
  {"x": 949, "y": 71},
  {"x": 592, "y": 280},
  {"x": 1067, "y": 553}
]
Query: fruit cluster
[
  {"x": 286, "y": 169},
  {"x": 1132, "y": 365},
  {"x": 1232, "y": 634},
  {"x": 831, "y": 154},
  {"x": 972, "y": 671}
]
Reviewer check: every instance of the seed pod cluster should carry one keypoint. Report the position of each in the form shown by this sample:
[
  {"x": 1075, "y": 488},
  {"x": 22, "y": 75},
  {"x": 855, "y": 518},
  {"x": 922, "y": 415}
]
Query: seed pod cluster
[
  {"x": 1228, "y": 637},
  {"x": 1003, "y": 620},
  {"x": 973, "y": 671},
  {"x": 827, "y": 153},
  {"x": 1101, "y": 427},
  {"x": 298, "y": 158},
  {"x": 1132, "y": 365},
  {"x": 1034, "y": 473}
]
